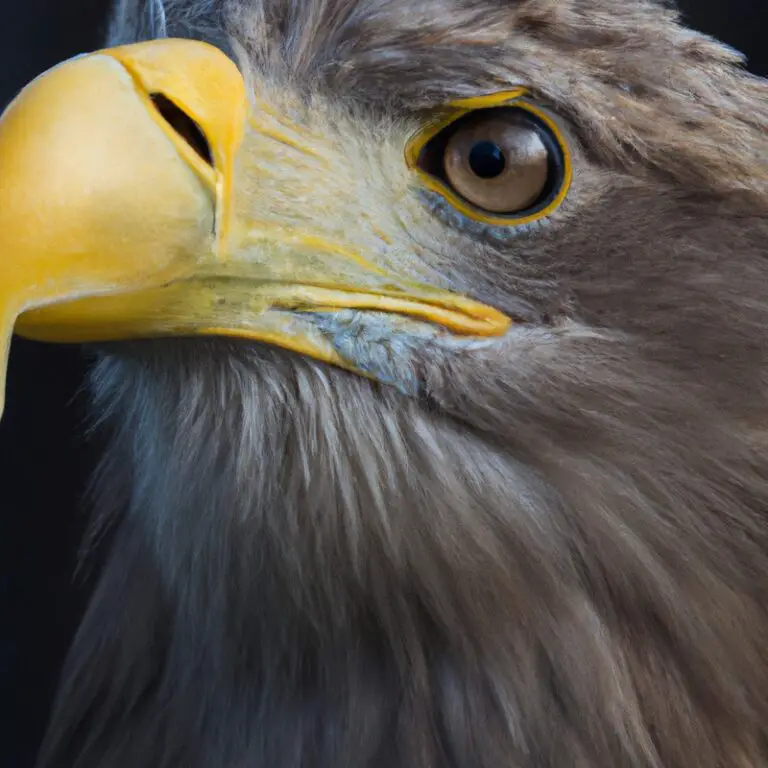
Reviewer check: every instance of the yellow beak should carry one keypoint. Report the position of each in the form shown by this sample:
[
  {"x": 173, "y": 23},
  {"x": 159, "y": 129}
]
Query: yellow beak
[{"x": 116, "y": 212}]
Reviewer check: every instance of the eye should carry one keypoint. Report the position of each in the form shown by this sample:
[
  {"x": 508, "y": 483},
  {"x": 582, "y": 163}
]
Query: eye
[
  {"x": 502, "y": 165},
  {"x": 499, "y": 163}
]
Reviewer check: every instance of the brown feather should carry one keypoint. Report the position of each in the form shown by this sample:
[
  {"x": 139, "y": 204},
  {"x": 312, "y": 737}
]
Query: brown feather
[{"x": 557, "y": 553}]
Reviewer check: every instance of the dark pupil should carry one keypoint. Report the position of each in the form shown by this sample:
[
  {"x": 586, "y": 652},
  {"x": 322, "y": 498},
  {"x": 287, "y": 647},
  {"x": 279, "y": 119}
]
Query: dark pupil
[{"x": 486, "y": 160}]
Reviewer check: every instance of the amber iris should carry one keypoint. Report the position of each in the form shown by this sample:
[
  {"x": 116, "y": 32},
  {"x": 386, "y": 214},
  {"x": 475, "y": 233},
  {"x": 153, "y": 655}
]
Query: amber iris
[{"x": 498, "y": 160}]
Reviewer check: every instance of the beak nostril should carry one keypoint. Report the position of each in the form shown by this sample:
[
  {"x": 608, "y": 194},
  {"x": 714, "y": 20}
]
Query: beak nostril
[{"x": 184, "y": 125}]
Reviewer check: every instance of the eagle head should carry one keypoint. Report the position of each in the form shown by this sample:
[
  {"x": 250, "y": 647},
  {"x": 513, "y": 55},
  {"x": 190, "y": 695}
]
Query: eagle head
[{"x": 430, "y": 343}]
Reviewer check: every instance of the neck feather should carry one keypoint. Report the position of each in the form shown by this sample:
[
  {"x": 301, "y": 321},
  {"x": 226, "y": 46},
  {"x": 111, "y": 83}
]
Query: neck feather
[{"x": 302, "y": 564}]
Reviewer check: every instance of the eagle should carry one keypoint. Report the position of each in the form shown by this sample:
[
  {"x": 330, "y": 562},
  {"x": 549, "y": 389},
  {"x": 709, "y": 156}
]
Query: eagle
[{"x": 429, "y": 348}]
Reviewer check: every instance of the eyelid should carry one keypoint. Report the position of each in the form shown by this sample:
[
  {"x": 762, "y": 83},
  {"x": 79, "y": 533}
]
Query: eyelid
[
  {"x": 457, "y": 109},
  {"x": 452, "y": 112}
]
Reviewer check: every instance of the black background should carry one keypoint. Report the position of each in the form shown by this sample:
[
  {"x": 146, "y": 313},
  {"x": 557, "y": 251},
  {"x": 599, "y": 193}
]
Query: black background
[{"x": 44, "y": 458}]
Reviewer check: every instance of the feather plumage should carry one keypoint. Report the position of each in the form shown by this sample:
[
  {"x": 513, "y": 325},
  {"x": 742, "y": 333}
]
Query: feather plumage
[{"x": 556, "y": 551}]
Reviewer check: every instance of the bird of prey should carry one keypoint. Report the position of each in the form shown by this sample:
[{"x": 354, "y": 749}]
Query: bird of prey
[{"x": 430, "y": 343}]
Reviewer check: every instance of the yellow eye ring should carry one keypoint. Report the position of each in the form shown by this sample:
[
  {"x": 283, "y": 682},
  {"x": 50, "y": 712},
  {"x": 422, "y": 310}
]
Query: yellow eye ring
[{"x": 420, "y": 142}]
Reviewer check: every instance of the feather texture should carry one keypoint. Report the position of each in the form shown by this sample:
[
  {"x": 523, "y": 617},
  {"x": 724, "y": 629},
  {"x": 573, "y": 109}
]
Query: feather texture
[{"x": 554, "y": 551}]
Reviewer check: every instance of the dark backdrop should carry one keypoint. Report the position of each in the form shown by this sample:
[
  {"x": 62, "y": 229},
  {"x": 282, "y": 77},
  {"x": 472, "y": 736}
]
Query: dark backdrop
[{"x": 44, "y": 460}]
